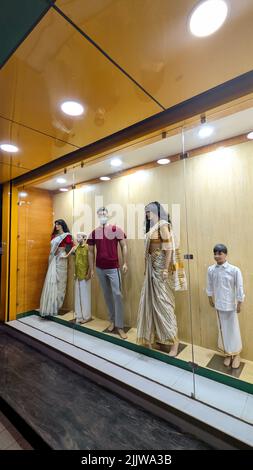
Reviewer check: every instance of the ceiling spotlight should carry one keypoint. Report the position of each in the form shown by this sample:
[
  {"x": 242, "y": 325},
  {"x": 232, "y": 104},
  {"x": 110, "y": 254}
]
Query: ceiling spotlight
[
  {"x": 9, "y": 148},
  {"x": 104, "y": 178},
  {"x": 61, "y": 180},
  {"x": 250, "y": 136},
  {"x": 63, "y": 190},
  {"x": 23, "y": 194},
  {"x": 116, "y": 162},
  {"x": 207, "y": 17},
  {"x": 205, "y": 131},
  {"x": 163, "y": 161},
  {"x": 72, "y": 108}
]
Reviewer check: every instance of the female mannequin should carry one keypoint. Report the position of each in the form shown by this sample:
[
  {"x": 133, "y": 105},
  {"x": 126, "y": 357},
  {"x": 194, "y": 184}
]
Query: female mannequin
[
  {"x": 163, "y": 273},
  {"x": 54, "y": 288}
]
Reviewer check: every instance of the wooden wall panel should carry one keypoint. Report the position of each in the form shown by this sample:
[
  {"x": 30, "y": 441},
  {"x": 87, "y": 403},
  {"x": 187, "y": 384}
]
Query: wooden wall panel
[{"x": 35, "y": 222}]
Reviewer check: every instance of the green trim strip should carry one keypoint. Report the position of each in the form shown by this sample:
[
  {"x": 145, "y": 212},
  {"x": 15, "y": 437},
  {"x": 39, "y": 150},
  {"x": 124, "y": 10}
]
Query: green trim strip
[{"x": 201, "y": 371}]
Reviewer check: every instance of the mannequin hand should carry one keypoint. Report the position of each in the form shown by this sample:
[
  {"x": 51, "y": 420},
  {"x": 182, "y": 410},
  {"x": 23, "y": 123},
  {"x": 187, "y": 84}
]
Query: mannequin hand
[
  {"x": 88, "y": 277},
  {"x": 165, "y": 275},
  {"x": 238, "y": 308},
  {"x": 211, "y": 302},
  {"x": 124, "y": 268},
  {"x": 92, "y": 274}
]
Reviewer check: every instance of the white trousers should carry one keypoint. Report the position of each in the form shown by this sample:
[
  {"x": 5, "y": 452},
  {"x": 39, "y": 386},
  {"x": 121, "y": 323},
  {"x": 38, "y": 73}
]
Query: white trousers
[
  {"x": 83, "y": 299},
  {"x": 229, "y": 340}
]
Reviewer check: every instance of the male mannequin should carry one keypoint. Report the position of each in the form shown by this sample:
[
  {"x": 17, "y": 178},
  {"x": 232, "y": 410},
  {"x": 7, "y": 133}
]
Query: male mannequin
[{"x": 106, "y": 238}]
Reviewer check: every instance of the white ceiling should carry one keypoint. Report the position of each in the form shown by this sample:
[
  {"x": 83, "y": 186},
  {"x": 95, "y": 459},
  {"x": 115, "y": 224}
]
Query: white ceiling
[{"x": 230, "y": 126}]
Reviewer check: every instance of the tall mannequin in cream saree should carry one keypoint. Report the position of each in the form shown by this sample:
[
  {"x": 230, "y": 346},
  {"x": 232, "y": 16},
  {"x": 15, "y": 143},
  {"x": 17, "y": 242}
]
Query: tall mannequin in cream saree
[
  {"x": 54, "y": 288},
  {"x": 164, "y": 273}
]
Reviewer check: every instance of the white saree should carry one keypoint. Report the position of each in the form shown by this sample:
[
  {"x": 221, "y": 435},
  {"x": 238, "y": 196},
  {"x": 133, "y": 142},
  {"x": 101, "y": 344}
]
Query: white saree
[
  {"x": 54, "y": 288},
  {"x": 156, "y": 318}
]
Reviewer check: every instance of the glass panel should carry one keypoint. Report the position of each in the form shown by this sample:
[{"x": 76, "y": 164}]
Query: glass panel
[
  {"x": 125, "y": 196},
  {"x": 219, "y": 185}
]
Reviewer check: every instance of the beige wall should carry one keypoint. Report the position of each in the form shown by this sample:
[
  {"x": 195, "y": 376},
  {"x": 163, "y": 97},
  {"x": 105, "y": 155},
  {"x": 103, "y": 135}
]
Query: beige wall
[{"x": 219, "y": 193}]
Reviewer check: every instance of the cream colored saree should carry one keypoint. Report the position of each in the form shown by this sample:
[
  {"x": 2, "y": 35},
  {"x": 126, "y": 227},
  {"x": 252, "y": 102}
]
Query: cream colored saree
[
  {"x": 156, "y": 317},
  {"x": 54, "y": 288}
]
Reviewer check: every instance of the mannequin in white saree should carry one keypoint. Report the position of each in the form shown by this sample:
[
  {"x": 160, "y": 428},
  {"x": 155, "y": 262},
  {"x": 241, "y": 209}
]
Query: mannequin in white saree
[{"x": 54, "y": 288}]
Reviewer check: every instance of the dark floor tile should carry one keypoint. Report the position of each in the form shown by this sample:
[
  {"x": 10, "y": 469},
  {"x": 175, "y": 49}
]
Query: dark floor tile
[{"x": 71, "y": 412}]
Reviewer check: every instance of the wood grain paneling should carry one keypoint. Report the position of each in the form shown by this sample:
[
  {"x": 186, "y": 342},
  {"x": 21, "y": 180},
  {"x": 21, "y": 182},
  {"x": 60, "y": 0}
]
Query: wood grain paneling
[{"x": 35, "y": 222}]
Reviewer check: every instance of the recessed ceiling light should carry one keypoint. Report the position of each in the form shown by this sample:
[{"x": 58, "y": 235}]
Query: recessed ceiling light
[
  {"x": 223, "y": 151},
  {"x": 205, "y": 131},
  {"x": 63, "y": 189},
  {"x": 116, "y": 162},
  {"x": 163, "y": 161},
  {"x": 72, "y": 108},
  {"x": 104, "y": 178},
  {"x": 207, "y": 17},
  {"x": 250, "y": 136},
  {"x": 87, "y": 189},
  {"x": 9, "y": 148},
  {"x": 61, "y": 180},
  {"x": 140, "y": 175},
  {"x": 23, "y": 194}
]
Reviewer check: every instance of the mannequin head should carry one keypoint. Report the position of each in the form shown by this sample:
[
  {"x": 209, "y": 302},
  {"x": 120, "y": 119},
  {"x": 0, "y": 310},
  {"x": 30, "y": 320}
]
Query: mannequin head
[
  {"x": 81, "y": 238},
  {"x": 154, "y": 212},
  {"x": 103, "y": 215},
  {"x": 220, "y": 253},
  {"x": 60, "y": 226}
]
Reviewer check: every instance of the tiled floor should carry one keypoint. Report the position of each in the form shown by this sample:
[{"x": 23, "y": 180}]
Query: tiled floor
[
  {"x": 202, "y": 356},
  {"x": 164, "y": 382},
  {"x": 10, "y": 438}
]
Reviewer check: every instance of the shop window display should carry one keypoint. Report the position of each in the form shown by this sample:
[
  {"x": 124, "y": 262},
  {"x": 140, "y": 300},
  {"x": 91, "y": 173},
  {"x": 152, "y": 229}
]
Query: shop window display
[{"x": 156, "y": 258}]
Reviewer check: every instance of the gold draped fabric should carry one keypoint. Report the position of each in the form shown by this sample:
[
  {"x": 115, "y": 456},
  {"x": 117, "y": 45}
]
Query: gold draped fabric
[{"x": 156, "y": 317}]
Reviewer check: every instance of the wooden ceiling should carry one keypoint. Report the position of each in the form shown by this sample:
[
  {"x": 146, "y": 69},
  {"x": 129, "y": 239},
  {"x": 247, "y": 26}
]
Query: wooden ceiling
[{"x": 124, "y": 60}]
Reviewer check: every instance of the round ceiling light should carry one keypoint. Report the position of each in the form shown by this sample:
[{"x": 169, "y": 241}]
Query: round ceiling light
[
  {"x": 116, "y": 162},
  {"x": 205, "y": 131},
  {"x": 61, "y": 180},
  {"x": 104, "y": 178},
  {"x": 63, "y": 189},
  {"x": 9, "y": 148},
  {"x": 207, "y": 17},
  {"x": 72, "y": 108},
  {"x": 250, "y": 136},
  {"x": 163, "y": 161}
]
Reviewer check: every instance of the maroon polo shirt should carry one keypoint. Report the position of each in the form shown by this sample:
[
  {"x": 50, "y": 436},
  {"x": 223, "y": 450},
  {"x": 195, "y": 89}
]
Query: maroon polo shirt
[{"x": 106, "y": 240}]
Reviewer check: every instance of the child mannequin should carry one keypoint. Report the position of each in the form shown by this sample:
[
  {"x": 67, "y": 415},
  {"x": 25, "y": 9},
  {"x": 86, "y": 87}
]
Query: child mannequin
[
  {"x": 82, "y": 280},
  {"x": 225, "y": 293}
]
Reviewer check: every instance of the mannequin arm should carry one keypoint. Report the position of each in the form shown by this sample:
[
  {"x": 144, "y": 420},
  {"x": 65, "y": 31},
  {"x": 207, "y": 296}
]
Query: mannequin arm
[
  {"x": 166, "y": 246},
  {"x": 123, "y": 247},
  {"x": 73, "y": 249},
  {"x": 91, "y": 257}
]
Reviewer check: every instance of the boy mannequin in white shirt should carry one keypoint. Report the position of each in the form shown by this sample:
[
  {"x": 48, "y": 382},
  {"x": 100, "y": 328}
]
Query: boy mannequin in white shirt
[{"x": 225, "y": 293}]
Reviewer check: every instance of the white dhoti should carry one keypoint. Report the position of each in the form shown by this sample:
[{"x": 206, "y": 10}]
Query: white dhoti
[
  {"x": 229, "y": 340},
  {"x": 83, "y": 299}
]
